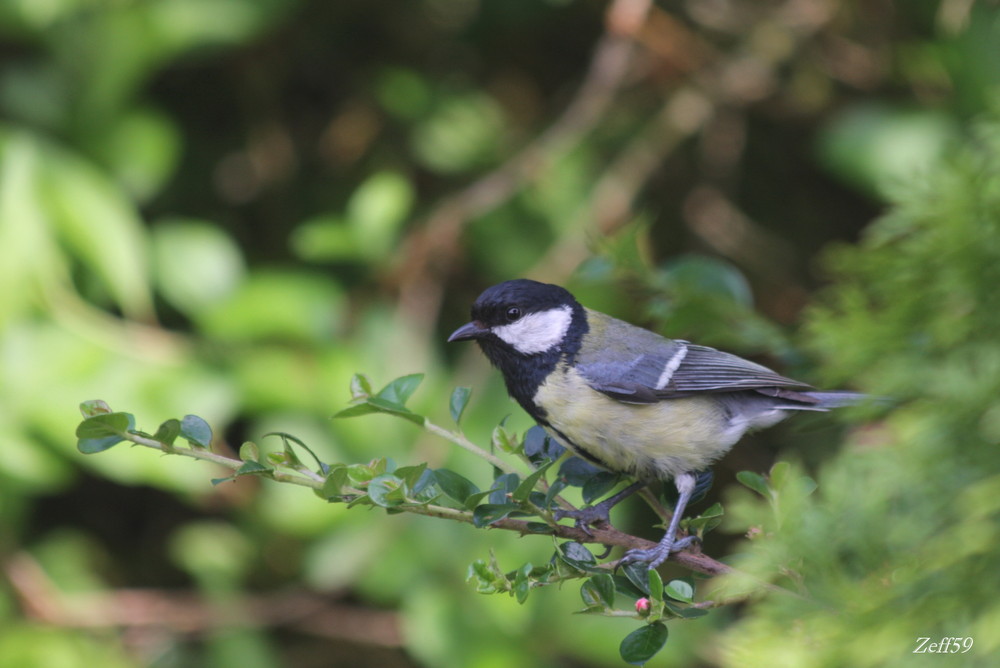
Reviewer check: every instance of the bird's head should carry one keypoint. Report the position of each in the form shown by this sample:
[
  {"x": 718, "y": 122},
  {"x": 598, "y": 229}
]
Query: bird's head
[{"x": 523, "y": 318}]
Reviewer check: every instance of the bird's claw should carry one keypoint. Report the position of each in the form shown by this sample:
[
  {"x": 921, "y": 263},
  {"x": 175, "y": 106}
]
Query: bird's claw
[
  {"x": 585, "y": 517},
  {"x": 655, "y": 556},
  {"x": 598, "y": 514}
]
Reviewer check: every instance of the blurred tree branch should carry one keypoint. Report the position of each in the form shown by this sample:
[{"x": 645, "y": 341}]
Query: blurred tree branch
[
  {"x": 161, "y": 611},
  {"x": 431, "y": 248},
  {"x": 709, "y": 84}
]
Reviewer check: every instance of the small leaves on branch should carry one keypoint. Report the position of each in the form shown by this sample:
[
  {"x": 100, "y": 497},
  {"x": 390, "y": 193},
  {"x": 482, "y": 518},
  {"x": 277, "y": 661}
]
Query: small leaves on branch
[{"x": 521, "y": 496}]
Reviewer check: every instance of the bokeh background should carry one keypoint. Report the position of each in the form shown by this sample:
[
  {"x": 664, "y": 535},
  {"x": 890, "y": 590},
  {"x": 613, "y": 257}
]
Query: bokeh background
[{"x": 228, "y": 207}]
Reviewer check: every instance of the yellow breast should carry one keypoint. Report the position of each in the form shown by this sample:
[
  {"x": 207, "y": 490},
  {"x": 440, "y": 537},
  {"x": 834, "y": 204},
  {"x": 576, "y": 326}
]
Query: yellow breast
[{"x": 646, "y": 440}]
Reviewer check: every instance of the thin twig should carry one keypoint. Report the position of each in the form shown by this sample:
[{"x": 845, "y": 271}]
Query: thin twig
[{"x": 461, "y": 441}]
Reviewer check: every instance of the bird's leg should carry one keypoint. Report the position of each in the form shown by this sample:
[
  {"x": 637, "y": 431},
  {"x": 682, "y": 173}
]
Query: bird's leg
[
  {"x": 600, "y": 512},
  {"x": 655, "y": 556}
]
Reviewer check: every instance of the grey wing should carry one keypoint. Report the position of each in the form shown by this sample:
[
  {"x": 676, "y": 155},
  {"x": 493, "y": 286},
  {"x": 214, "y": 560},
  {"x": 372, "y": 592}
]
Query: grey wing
[{"x": 680, "y": 369}]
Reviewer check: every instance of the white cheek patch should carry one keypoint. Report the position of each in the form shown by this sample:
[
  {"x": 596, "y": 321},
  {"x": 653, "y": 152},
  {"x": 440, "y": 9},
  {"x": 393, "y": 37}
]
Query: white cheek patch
[{"x": 537, "y": 332}]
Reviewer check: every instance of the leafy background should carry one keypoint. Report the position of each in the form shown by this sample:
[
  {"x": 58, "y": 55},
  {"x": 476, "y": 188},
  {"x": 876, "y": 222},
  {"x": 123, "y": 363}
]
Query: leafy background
[{"x": 228, "y": 207}]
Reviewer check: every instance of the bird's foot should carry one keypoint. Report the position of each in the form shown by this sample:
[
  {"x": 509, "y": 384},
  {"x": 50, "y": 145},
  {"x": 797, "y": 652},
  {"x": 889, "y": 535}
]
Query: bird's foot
[
  {"x": 599, "y": 513},
  {"x": 585, "y": 517},
  {"x": 655, "y": 556}
]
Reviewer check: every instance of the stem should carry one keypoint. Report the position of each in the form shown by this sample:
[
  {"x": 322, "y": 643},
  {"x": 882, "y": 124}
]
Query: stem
[
  {"x": 430, "y": 510},
  {"x": 461, "y": 441},
  {"x": 314, "y": 480},
  {"x": 621, "y": 613},
  {"x": 309, "y": 473}
]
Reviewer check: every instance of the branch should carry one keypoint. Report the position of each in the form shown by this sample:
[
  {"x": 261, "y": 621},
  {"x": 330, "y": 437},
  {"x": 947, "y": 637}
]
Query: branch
[
  {"x": 608, "y": 536},
  {"x": 461, "y": 441}
]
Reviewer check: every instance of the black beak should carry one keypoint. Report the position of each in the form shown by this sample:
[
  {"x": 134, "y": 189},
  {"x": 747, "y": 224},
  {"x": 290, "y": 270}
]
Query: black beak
[{"x": 467, "y": 332}]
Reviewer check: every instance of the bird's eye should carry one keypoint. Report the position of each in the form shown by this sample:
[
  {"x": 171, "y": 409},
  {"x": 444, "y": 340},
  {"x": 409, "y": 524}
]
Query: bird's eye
[{"x": 513, "y": 313}]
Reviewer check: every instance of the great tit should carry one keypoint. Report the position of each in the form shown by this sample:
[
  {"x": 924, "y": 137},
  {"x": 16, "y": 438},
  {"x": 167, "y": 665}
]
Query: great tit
[{"x": 626, "y": 399}]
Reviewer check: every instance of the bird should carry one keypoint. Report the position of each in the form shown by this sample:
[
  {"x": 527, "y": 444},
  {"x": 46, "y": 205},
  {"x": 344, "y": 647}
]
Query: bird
[{"x": 627, "y": 399}]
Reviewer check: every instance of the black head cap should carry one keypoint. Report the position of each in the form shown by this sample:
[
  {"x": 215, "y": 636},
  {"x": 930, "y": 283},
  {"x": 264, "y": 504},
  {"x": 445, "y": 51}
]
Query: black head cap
[
  {"x": 511, "y": 300},
  {"x": 508, "y": 302}
]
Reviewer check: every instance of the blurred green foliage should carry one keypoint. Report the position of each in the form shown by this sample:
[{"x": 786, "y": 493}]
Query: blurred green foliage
[
  {"x": 900, "y": 541},
  {"x": 229, "y": 207}
]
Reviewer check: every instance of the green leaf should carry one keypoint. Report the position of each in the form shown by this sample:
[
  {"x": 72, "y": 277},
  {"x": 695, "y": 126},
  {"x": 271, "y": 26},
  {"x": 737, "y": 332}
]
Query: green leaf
[
  {"x": 537, "y": 444},
  {"x": 642, "y": 644},
  {"x": 98, "y": 433},
  {"x": 291, "y": 455},
  {"x": 522, "y": 582},
  {"x": 168, "y": 432},
  {"x": 591, "y": 597},
  {"x": 251, "y": 468},
  {"x": 556, "y": 488},
  {"x": 423, "y": 489},
  {"x": 377, "y": 405},
  {"x": 361, "y": 474},
  {"x": 89, "y": 446},
  {"x": 876, "y": 146},
  {"x": 398, "y": 410},
  {"x": 387, "y": 490},
  {"x": 376, "y": 209},
  {"x": 477, "y": 498},
  {"x": 693, "y": 613},
  {"x": 577, "y": 556},
  {"x": 599, "y": 485},
  {"x": 456, "y": 487},
  {"x": 779, "y": 474},
  {"x": 291, "y": 458},
  {"x": 357, "y": 410},
  {"x": 655, "y": 585},
  {"x": 106, "y": 424},
  {"x": 197, "y": 266},
  {"x": 709, "y": 277},
  {"x": 411, "y": 475},
  {"x": 680, "y": 590},
  {"x": 488, "y": 513},
  {"x": 94, "y": 407},
  {"x": 520, "y": 495},
  {"x": 459, "y": 398},
  {"x": 196, "y": 431},
  {"x": 503, "y": 488},
  {"x": 626, "y": 588},
  {"x": 504, "y": 440},
  {"x": 399, "y": 390},
  {"x": 706, "y": 521},
  {"x": 638, "y": 575},
  {"x": 604, "y": 586},
  {"x": 754, "y": 481},
  {"x": 489, "y": 578},
  {"x": 94, "y": 217},
  {"x": 361, "y": 386},
  {"x": 577, "y": 472},
  {"x": 334, "y": 482},
  {"x": 249, "y": 452},
  {"x": 248, "y": 468}
]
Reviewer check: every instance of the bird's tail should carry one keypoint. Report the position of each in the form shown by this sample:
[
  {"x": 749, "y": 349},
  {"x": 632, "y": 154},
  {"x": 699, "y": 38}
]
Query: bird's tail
[{"x": 838, "y": 399}]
